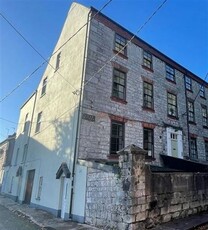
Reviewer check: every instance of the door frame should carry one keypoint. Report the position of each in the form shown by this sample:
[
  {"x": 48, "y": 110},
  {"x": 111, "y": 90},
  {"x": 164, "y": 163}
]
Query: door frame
[
  {"x": 179, "y": 141},
  {"x": 28, "y": 201}
]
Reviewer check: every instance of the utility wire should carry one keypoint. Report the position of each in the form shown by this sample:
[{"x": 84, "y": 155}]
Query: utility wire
[
  {"x": 46, "y": 60},
  {"x": 108, "y": 2},
  {"x": 128, "y": 43},
  {"x": 202, "y": 85}
]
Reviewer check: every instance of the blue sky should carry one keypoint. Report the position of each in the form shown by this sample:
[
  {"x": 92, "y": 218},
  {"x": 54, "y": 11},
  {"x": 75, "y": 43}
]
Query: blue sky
[{"x": 179, "y": 30}]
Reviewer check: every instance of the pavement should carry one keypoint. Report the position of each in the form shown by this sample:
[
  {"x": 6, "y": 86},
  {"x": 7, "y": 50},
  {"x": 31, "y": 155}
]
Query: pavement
[
  {"x": 43, "y": 219},
  {"x": 47, "y": 221}
]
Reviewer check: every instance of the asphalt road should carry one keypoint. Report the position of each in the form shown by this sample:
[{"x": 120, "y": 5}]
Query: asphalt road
[{"x": 11, "y": 221}]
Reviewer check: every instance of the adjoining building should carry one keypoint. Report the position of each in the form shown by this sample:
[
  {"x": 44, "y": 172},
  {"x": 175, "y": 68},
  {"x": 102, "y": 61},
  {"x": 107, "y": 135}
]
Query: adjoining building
[
  {"x": 91, "y": 105},
  {"x": 6, "y": 154}
]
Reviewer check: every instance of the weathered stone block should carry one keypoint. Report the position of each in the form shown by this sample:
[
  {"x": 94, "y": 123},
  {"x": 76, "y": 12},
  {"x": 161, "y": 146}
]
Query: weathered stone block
[
  {"x": 164, "y": 210},
  {"x": 185, "y": 206},
  {"x": 175, "y": 208},
  {"x": 141, "y": 216},
  {"x": 166, "y": 218}
]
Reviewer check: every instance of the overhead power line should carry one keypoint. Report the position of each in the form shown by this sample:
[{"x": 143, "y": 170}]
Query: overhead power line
[
  {"x": 46, "y": 60},
  {"x": 128, "y": 43}
]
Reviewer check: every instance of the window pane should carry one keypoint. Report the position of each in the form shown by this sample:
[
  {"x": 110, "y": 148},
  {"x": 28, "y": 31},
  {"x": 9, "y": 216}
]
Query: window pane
[
  {"x": 148, "y": 141},
  {"x": 117, "y": 137},
  {"x": 119, "y": 84}
]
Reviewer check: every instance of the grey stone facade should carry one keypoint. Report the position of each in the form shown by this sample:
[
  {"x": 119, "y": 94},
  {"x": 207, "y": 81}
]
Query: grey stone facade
[{"x": 98, "y": 101}]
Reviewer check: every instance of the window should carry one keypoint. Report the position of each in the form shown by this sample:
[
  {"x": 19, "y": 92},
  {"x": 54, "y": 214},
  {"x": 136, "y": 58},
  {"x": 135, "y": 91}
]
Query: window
[
  {"x": 188, "y": 83},
  {"x": 58, "y": 60},
  {"x": 119, "y": 84},
  {"x": 43, "y": 91},
  {"x": 147, "y": 59},
  {"x": 11, "y": 185},
  {"x": 37, "y": 129},
  {"x": 24, "y": 153},
  {"x": 120, "y": 44},
  {"x": 204, "y": 116},
  {"x": 148, "y": 141},
  {"x": 40, "y": 187},
  {"x": 206, "y": 149},
  {"x": 117, "y": 137},
  {"x": 148, "y": 95},
  {"x": 25, "y": 124},
  {"x": 16, "y": 157},
  {"x": 193, "y": 149},
  {"x": 170, "y": 73},
  {"x": 202, "y": 91},
  {"x": 191, "y": 115},
  {"x": 172, "y": 105}
]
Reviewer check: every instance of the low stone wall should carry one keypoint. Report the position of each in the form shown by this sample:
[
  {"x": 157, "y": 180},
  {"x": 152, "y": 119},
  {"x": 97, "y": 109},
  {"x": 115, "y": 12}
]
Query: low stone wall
[
  {"x": 131, "y": 197},
  {"x": 103, "y": 207},
  {"x": 176, "y": 195}
]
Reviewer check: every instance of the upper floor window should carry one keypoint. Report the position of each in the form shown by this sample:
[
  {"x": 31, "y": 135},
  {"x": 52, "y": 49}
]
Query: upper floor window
[
  {"x": 188, "y": 83},
  {"x": 43, "y": 91},
  {"x": 24, "y": 153},
  {"x": 172, "y": 105},
  {"x": 148, "y": 141},
  {"x": 204, "y": 116},
  {"x": 170, "y": 73},
  {"x": 147, "y": 59},
  {"x": 148, "y": 95},
  {"x": 191, "y": 114},
  {"x": 58, "y": 57},
  {"x": 117, "y": 137},
  {"x": 16, "y": 157},
  {"x": 206, "y": 149},
  {"x": 120, "y": 44},
  {"x": 202, "y": 91},
  {"x": 119, "y": 84},
  {"x": 38, "y": 124},
  {"x": 25, "y": 123},
  {"x": 193, "y": 149}
]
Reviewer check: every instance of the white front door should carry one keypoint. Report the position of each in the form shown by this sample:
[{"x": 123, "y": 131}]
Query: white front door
[
  {"x": 64, "y": 190},
  {"x": 174, "y": 143}
]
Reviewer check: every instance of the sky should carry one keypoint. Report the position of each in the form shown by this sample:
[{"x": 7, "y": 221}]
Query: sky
[{"x": 179, "y": 30}]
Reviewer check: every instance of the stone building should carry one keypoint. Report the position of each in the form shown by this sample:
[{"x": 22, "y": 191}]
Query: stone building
[
  {"x": 6, "y": 153},
  {"x": 101, "y": 92}
]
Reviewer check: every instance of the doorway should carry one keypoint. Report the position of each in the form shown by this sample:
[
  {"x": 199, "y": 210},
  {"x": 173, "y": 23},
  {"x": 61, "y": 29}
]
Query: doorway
[{"x": 29, "y": 186}]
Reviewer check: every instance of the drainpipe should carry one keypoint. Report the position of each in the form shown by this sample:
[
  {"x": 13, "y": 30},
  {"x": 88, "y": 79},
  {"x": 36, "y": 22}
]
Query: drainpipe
[
  {"x": 186, "y": 113},
  {"x": 78, "y": 118}
]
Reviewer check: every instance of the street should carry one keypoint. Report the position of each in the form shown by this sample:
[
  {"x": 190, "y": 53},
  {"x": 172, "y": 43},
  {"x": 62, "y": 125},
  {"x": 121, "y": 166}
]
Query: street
[{"x": 11, "y": 221}]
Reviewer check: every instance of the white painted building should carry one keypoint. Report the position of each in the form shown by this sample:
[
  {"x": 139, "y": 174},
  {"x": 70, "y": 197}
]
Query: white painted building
[{"x": 88, "y": 107}]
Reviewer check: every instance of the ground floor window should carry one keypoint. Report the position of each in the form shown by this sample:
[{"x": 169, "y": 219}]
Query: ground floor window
[
  {"x": 193, "y": 149},
  {"x": 117, "y": 136},
  {"x": 148, "y": 141}
]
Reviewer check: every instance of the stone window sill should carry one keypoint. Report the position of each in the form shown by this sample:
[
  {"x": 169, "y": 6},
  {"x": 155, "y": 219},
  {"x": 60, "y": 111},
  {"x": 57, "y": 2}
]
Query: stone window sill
[
  {"x": 189, "y": 90},
  {"x": 113, "y": 157},
  {"x": 147, "y": 68},
  {"x": 192, "y": 122},
  {"x": 148, "y": 109},
  {"x": 120, "y": 54},
  {"x": 172, "y": 117},
  {"x": 118, "y": 100},
  {"x": 170, "y": 81}
]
